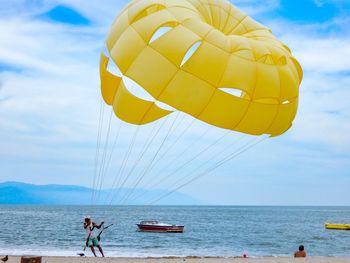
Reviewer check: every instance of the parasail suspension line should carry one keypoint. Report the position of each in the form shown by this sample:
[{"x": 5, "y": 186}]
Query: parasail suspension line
[
  {"x": 97, "y": 153},
  {"x": 210, "y": 169},
  {"x": 105, "y": 149},
  {"x": 152, "y": 160},
  {"x": 122, "y": 167},
  {"x": 144, "y": 150}
]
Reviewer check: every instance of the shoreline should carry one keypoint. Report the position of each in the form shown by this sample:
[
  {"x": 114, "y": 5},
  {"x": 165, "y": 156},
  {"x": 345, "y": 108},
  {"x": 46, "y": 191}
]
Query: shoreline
[{"x": 191, "y": 259}]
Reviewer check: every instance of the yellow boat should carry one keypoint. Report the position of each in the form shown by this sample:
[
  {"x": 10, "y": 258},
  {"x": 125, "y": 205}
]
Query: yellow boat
[{"x": 337, "y": 226}]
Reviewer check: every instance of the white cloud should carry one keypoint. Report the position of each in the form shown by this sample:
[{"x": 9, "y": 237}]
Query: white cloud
[
  {"x": 22, "y": 8},
  {"x": 52, "y": 94},
  {"x": 321, "y": 54},
  {"x": 324, "y": 112},
  {"x": 319, "y": 3},
  {"x": 47, "y": 47},
  {"x": 324, "y": 108},
  {"x": 324, "y": 55}
]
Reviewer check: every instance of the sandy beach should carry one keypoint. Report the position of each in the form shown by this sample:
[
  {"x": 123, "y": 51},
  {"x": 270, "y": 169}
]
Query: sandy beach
[{"x": 188, "y": 260}]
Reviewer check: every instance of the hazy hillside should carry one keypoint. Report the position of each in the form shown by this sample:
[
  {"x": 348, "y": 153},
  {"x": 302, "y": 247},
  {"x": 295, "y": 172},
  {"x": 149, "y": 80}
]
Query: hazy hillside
[{"x": 21, "y": 193}]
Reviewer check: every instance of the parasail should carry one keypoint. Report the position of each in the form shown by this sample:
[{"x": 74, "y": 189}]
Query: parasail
[{"x": 204, "y": 58}]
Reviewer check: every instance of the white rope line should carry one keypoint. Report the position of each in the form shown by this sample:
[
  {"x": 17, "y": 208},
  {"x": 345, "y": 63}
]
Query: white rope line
[
  {"x": 98, "y": 141},
  {"x": 209, "y": 170}
]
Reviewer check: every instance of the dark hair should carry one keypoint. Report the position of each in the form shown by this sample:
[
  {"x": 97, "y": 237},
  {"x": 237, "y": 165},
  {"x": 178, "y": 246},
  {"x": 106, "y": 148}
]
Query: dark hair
[{"x": 301, "y": 248}]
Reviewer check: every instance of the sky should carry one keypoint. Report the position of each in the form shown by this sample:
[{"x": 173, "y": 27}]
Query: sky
[{"x": 50, "y": 110}]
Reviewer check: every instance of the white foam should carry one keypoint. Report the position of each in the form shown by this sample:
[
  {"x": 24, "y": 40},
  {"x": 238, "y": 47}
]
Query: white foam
[{"x": 73, "y": 253}]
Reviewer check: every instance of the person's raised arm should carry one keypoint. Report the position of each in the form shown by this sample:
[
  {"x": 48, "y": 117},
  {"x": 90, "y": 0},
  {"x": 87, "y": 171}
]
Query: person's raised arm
[{"x": 98, "y": 226}]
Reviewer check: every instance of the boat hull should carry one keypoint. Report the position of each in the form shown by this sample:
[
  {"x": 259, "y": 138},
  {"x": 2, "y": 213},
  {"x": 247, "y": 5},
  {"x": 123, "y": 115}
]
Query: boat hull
[
  {"x": 337, "y": 226},
  {"x": 167, "y": 229}
]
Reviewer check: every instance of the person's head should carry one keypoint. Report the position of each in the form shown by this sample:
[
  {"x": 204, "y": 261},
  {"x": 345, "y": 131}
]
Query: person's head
[
  {"x": 301, "y": 248},
  {"x": 87, "y": 220}
]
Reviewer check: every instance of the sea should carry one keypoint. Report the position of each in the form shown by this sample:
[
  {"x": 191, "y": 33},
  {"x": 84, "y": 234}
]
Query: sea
[{"x": 210, "y": 231}]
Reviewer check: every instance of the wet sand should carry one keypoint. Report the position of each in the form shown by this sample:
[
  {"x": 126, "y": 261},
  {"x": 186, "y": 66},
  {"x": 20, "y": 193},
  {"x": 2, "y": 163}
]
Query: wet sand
[{"x": 187, "y": 260}]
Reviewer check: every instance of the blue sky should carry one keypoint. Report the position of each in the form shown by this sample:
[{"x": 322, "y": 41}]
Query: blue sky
[{"x": 49, "y": 104}]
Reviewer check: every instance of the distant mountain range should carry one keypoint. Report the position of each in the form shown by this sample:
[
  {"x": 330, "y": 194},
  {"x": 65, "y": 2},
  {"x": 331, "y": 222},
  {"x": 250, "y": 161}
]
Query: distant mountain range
[{"x": 22, "y": 193}]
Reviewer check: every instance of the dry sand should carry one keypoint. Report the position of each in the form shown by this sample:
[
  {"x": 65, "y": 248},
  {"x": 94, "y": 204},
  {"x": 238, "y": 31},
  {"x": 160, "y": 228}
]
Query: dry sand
[{"x": 187, "y": 260}]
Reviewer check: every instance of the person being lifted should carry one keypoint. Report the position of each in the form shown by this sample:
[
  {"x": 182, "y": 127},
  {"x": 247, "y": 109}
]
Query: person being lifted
[{"x": 91, "y": 239}]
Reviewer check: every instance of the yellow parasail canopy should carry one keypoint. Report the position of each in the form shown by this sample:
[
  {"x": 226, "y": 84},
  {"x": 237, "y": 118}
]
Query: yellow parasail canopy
[{"x": 214, "y": 63}]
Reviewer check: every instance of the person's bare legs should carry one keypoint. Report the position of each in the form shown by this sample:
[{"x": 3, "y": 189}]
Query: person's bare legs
[
  {"x": 93, "y": 251},
  {"x": 101, "y": 251}
]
